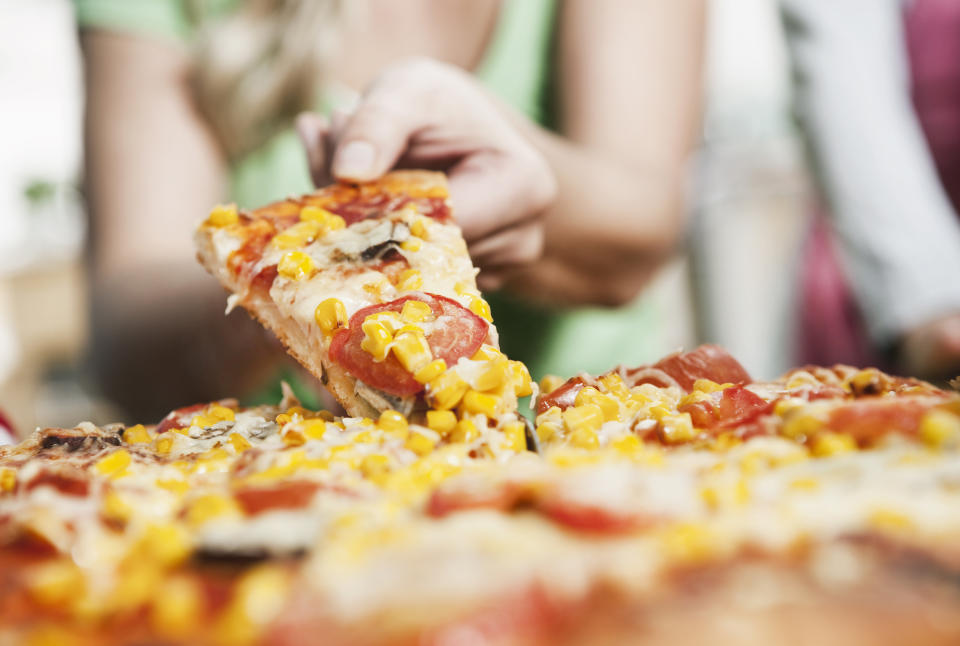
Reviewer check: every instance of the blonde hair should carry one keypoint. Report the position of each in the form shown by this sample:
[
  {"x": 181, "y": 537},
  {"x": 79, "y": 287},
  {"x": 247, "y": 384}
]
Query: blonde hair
[{"x": 258, "y": 66}]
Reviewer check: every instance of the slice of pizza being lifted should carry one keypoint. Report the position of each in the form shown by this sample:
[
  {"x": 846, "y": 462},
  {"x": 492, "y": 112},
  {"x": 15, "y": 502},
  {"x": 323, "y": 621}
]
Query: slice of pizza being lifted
[{"x": 369, "y": 286}]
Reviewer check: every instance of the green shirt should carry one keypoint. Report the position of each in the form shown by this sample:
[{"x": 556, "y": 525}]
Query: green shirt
[{"x": 516, "y": 66}]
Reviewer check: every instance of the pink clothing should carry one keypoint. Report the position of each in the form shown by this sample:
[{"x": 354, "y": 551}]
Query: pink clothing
[{"x": 831, "y": 328}]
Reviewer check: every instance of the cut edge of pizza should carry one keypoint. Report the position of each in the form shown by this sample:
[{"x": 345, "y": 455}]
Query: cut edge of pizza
[{"x": 370, "y": 287}]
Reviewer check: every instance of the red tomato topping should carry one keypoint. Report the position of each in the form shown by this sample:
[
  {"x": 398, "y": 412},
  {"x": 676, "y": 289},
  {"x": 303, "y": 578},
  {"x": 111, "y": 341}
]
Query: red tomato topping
[
  {"x": 868, "y": 420},
  {"x": 706, "y": 362},
  {"x": 457, "y": 332},
  {"x": 67, "y": 481},
  {"x": 563, "y": 397},
  {"x": 501, "y": 496},
  {"x": 284, "y": 495},
  {"x": 174, "y": 418},
  {"x": 730, "y": 408},
  {"x": 379, "y": 204},
  {"x": 590, "y": 518}
]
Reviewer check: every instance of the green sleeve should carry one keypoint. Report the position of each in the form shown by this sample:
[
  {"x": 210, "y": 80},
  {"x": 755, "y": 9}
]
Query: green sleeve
[{"x": 164, "y": 18}]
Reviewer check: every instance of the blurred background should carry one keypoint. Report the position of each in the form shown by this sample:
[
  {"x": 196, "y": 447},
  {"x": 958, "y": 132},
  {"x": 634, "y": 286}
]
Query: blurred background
[{"x": 751, "y": 201}]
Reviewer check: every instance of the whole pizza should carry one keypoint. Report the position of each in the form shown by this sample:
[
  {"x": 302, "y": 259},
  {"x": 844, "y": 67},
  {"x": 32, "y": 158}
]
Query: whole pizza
[{"x": 676, "y": 503}]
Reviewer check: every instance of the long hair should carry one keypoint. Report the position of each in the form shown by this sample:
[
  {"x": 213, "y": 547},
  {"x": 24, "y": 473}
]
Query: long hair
[{"x": 258, "y": 66}]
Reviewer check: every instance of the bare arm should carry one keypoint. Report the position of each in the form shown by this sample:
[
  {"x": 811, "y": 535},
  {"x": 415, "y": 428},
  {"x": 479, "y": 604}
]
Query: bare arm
[
  {"x": 630, "y": 96},
  {"x": 152, "y": 171}
]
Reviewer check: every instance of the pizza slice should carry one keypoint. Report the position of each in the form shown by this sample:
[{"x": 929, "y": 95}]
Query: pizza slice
[{"x": 369, "y": 286}]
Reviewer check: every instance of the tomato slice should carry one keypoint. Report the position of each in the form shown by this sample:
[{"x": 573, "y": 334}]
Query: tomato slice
[
  {"x": 592, "y": 518},
  {"x": 457, "y": 333},
  {"x": 285, "y": 495},
  {"x": 870, "y": 419},
  {"x": 705, "y": 362},
  {"x": 730, "y": 408}
]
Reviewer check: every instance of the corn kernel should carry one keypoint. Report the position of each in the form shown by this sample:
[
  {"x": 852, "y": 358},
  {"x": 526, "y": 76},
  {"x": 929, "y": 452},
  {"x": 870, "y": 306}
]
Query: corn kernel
[
  {"x": 299, "y": 235},
  {"x": 481, "y": 308},
  {"x": 708, "y": 386},
  {"x": 294, "y": 437},
  {"x": 8, "y": 479},
  {"x": 550, "y": 383},
  {"x": 587, "y": 417},
  {"x": 208, "y": 507},
  {"x": 481, "y": 403},
  {"x": 178, "y": 487},
  {"x": 375, "y": 466},
  {"x": 686, "y": 542},
  {"x": 335, "y": 223},
  {"x": 177, "y": 607},
  {"x": 441, "y": 421},
  {"x": 114, "y": 465},
  {"x": 55, "y": 582},
  {"x": 239, "y": 442},
  {"x": 330, "y": 315},
  {"x": 430, "y": 371},
  {"x": 522, "y": 385},
  {"x": 939, "y": 428},
  {"x": 515, "y": 435},
  {"x": 223, "y": 215},
  {"x": 419, "y": 228},
  {"x": 827, "y": 444},
  {"x": 627, "y": 444},
  {"x": 547, "y": 431},
  {"x": 420, "y": 443},
  {"x": 416, "y": 312},
  {"x": 799, "y": 426},
  {"x": 465, "y": 431},
  {"x": 889, "y": 519},
  {"x": 136, "y": 435},
  {"x": 313, "y": 429},
  {"x": 496, "y": 373},
  {"x": 313, "y": 213},
  {"x": 677, "y": 428},
  {"x": 606, "y": 403},
  {"x": 412, "y": 351},
  {"x": 116, "y": 508},
  {"x": 411, "y": 244},
  {"x": 377, "y": 339},
  {"x": 584, "y": 438},
  {"x": 393, "y": 423},
  {"x": 444, "y": 392},
  {"x": 410, "y": 280},
  {"x": 463, "y": 288},
  {"x": 295, "y": 265}
]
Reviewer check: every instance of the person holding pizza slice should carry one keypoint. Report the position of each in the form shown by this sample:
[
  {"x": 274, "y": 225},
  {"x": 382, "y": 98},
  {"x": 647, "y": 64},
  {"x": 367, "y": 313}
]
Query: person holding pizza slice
[{"x": 564, "y": 129}]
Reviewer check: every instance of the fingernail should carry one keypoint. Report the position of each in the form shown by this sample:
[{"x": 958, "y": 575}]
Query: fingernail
[{"x": 355, "y": 160}]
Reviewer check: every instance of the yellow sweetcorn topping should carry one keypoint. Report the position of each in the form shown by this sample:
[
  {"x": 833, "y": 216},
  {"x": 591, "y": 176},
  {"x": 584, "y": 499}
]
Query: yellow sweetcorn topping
[
  {"x": 939, "y": 428},
  {"x": 801, "y": 425},
  {"x": 481, "y": 308},
  {"x": 377, "y": 338},
  {"x": 495, "y": 374},
  {"x": 163, "y": 444},
  {"x": 375, "y": 466},
  {"x": 330, "y": 315},
  {"x": 547, "y": 431},
  {"x": 588, "y": 417},
  {"x": 412, "y": 351},
  {"x": 210, "y": 506},
  {"x": 178, "y": 487},
  {"x": 113, "y": 465},
  {"x": 464, "y": 432},
  {"x": 686, "y": 542},
  {"x": 549, "y": 383},
  {"x": 297, "y": 236},
  {"x": 708, "y": 386},
  {"x": 486, "y": 353},
  {"x": 177, "y": 607},
  {"x": 522, "y": 384},
  {"x": 515, "y": 435},
  {"x": 613, "y": 384},
  {"x": 239, "y": 442},
  {"x": 136, "y": 435},
  {"x": 677, "y": 428},
  {"x": 481, "y": 403},
  {"x": 584, "y": 438},
  {"x": 116, "y": 508},
  {"x": 317, "y": 214},
  {"x": 890, "y": 520},
  {"x": 377, "y": 286},
  {"x": 421, "y": 443},
  {"x": 419, "y": 228},
  {"x": 293, "y": 437},
  {"x": 627, "y": 444},
  {"x": 416, "y": 312},
  {"x": 445, "y": 391},
  {"x": 463, "y": 289},
  {"x": 411, "y": 244},
  {"x": 223, "y": 215},
  {"x": 8, "y": 479},
  {"x": 393, "y": 423},
  {"x": 295, "y": 265},
  {"x": 312, "y": 429},
  {"x": 410, "y": 280},
  {"x": 259, "y": 597},
  {"x": 827, "y": 444},
  {"x": 430, "y": 371},
  {"x": 441, "y": 421},
  {"x": 55, "y": 582},
  {"x": 607, "y": 404}
]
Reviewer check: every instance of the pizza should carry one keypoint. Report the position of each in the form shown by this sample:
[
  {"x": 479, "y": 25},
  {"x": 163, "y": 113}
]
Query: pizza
[
  {"x": 681, "y": 502},
  {"x": 676, "y": 503},
  {"x": 369, "y": 286}
]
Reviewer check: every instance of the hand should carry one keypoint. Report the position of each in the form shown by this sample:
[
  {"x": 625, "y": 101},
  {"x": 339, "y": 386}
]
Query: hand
[
  {"x": 932, "y": 350},
  {"x": 425, "y": 114}
]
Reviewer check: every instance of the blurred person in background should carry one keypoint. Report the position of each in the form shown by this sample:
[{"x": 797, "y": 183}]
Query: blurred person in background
[
  {"x": 565, "y": 130},
  {"x": 878, "y": 93}
]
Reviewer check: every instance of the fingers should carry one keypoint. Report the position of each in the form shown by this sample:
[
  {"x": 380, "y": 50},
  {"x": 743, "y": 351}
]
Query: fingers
[
  {"x": 373, "y": 138},
  {"x": 516, "y": 245},
  {"x": 313, "y": 130}
]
